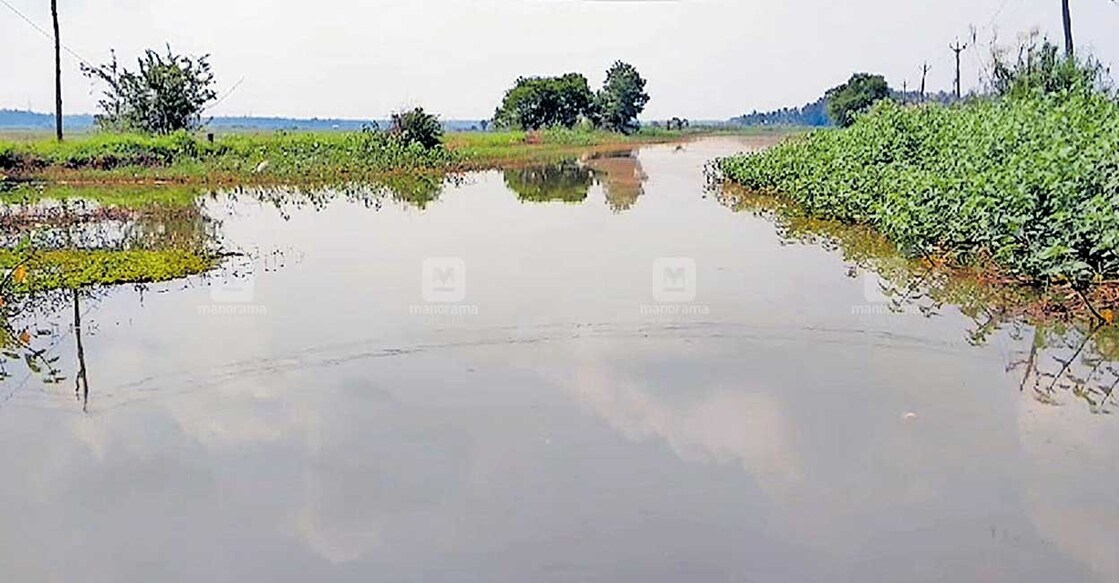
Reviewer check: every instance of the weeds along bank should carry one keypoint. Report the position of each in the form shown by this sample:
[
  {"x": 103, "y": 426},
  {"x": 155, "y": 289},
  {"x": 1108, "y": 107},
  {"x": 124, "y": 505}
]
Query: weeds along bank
[
  {"x": 183, "y": 155},
  {"x": 291, "y": 156},
  {"x": 1031, "y": 183}
]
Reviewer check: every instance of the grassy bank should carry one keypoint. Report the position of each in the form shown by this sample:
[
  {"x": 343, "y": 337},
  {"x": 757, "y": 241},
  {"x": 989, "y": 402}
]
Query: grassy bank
[
  {"x": 291, "y": 157},
  {"x": 1030, "y": 184},
  {"x": 188, "y": 158}
]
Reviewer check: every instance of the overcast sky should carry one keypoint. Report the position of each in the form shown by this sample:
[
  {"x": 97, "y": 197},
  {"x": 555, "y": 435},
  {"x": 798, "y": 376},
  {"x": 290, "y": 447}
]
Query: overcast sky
[{"x": 704, "y": 59}]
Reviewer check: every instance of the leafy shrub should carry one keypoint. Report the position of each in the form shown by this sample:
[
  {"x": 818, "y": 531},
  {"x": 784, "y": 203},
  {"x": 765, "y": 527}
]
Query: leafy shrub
[
  {"x": 1040, "y": 67},
  {"x": 1031, "y": 183},
  {"x": 167, "y": 93},
  {"x": 417, "y": 127}
]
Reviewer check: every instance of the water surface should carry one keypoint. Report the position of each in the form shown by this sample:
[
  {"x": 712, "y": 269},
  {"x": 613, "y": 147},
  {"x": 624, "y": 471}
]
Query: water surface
[{"x": 592, "y": 371}]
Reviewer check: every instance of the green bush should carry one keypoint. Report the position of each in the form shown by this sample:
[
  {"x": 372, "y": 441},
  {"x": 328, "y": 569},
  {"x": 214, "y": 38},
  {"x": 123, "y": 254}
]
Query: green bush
[
  {"x": 1031, "y": 183},
  {"x": 417, "y": 127}
]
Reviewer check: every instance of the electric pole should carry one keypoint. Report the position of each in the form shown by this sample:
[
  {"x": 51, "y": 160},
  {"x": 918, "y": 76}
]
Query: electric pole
[
  {"x": 57, "y": 73},
  {"x": 1066, "y": 14},
  {"x": 925, "y": 68},
  {"x": 958, "y": 48}
]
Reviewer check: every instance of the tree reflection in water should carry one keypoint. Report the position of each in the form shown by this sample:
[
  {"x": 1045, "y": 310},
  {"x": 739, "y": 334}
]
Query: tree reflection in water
[
  {"x": 1070, "y": 352},
  {"x": 621, "y": 177},
  {"x": 619, "y": 173},
  {"x": 567, "y": 181}
]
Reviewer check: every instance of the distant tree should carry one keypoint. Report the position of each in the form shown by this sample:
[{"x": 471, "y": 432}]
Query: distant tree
[
  {"x": 622, "y": 98},
  {"x": 417, "y": 127},
  {"x": 168, "y": 93},
  {"x": 485, "y": 124},
  {"x": 539, "y": 102},
  {"x": 814, "y": 114},
  {"x": 855, "y": 96},
  {"x": 677, "y": 123}
]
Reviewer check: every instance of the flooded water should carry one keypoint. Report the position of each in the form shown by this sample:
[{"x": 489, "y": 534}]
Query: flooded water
[{"x": 592, "y": 371}]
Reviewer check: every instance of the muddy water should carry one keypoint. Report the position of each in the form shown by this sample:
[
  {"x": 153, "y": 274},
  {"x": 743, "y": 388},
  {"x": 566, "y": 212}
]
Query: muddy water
[{"x": 587, "y": 372}]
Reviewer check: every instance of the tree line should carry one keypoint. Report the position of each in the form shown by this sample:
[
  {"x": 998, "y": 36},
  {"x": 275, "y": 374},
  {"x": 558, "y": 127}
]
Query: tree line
[{"x": 535, "y": 103}]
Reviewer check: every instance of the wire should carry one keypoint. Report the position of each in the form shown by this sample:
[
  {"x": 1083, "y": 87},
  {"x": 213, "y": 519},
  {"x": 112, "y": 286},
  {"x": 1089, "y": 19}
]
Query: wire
[
  {"x": 44, "y": 32},
  {"x": 998, "y": 13},
  {"x": 227, "y": 93}
]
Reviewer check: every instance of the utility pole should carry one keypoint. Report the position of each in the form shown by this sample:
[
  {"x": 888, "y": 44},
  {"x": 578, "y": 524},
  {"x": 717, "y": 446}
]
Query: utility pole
[
  {"x": 57, "y": 73},
  {"x": 1066, "y": 15},
  {"x": 958, "y": 48},
  {"x": 925, "y": 68},
  {"x": 904, "y": 91}
]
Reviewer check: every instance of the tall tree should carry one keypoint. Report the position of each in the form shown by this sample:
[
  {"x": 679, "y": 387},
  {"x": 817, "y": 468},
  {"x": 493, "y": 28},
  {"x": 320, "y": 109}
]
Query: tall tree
[
  {"x": 622, "y": 98},
  {"x": 57, "y": 73}
]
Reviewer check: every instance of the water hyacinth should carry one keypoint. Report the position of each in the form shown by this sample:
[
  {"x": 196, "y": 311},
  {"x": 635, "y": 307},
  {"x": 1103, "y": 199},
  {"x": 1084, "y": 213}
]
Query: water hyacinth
[{"x": 1031, "y": 183}]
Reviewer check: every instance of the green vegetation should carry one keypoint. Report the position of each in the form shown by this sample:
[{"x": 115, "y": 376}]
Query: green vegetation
[
  {"x": 417, "y": 127},
  {"x": 1056, "y": 319},
  {"x": 254, "y": 157},
  {"x": 78, "y": 268},
  {"x": 546, "y": 102},
  {"x": 855, "y": 96},
  {"x": 622, "y": 98},
  {"x": 167, "y": 93},
  {"x": 294, "y": 157},
  {"x": 535, "y": 103},
  {"x": 1031, "y": 183},
  {"x": 1038, "y": 67}
]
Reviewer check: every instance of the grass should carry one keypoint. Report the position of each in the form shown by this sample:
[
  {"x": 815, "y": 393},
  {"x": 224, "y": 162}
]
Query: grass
[
  {"x": 183, "y": 157},
  {"x": 299, "y": 157},
  {"x": 1031, "y": 184}
]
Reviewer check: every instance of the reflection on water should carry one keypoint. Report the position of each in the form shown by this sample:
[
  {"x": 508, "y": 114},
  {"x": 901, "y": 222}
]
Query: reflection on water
[
  {"x": 567, "y": 181},
  {"x": 620, "y": 175},
  {"x": 839, "y": 413},
  {"x": 1068, "y": 355}
]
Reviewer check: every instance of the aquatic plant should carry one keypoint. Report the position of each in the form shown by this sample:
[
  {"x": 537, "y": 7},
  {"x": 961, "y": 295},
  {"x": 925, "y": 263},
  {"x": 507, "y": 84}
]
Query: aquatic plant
[{"x": 1031, "y": 183}]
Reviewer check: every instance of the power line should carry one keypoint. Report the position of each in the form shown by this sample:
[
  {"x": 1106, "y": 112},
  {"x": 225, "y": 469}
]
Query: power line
[
  {"x": 42, "y": 31},
  {"x": 998, "y": 13},
  {"x": 227, "y": 94}
]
